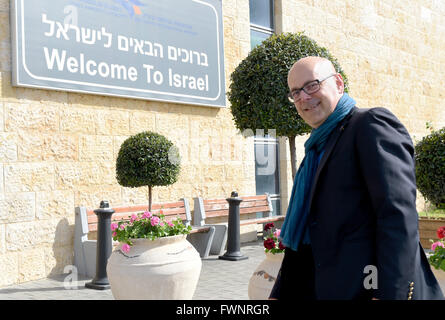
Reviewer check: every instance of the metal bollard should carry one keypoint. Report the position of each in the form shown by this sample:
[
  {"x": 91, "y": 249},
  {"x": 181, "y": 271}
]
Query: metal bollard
[
  {"x": 233, "y": 252},
  {"x": 104, "y": 247}
]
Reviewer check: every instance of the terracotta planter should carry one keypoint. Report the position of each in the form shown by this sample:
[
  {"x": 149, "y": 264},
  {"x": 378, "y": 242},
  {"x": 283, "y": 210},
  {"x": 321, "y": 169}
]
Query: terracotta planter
[
  {"x": 263, "y": 279},
  {"x": 166, "y": 268},
  {"x": 428, "y": 230}
]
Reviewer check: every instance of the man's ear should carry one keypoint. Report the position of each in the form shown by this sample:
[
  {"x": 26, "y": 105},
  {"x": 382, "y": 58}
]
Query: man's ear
[{"x": 340, "y": 83}]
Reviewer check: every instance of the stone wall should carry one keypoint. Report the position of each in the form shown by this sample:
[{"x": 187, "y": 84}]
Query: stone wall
[{"x": 58, "y": 149}]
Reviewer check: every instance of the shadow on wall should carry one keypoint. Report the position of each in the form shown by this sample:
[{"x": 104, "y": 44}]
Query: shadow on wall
[{"x": 63, "y": 248}]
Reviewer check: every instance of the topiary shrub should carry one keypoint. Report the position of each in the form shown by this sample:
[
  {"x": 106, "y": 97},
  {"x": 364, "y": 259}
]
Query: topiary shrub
[
  {"x": 430, "y": 167},
  {"x": 258, "y": 90},
  {"x": 147, "y": 159}
]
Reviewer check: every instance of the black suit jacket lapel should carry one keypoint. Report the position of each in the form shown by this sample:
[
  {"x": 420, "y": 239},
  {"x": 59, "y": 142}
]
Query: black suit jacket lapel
[{"x": 330, "y": 144}]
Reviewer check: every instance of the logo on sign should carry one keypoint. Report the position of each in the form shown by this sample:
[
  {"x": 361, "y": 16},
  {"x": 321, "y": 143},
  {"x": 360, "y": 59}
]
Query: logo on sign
[{"x": 132, "y": 6}]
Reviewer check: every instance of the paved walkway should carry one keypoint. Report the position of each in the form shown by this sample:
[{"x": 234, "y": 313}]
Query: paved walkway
[{"x": 219, "y": 280}]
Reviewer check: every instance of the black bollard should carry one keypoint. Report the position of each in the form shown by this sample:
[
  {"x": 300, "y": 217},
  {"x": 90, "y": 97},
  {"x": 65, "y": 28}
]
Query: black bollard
[
  {"x": 104, "y": 247},
  {"x": 233, "y": 252}
]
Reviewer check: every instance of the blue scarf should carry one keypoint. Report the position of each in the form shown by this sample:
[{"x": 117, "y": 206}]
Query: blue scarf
[{"x": 294, "y": 225}]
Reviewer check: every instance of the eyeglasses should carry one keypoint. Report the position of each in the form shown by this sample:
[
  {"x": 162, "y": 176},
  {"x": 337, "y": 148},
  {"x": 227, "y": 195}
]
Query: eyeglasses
[{"x": 309, "y": 88}]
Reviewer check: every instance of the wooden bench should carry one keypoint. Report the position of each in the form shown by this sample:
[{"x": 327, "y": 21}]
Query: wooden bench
[
  {"x": 220, "y": 208},
  {"x": 86, "y": 221}
]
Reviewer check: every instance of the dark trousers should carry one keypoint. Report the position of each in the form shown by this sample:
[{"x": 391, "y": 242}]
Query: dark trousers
[{"x": 298, "y": 274}]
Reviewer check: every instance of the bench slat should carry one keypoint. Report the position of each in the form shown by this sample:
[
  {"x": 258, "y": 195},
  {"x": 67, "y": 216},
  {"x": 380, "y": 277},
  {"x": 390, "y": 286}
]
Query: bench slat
[
  {"x": 221, "y": 213},
  {"x": 170, "y": 210},
  {"x": 222, "y": 206},
  {"x": 261, "y": 220},
  {"x": 249, "y": 198},
  {"x": 245, "y": 199},
  {"x": 120, "y": 217}
]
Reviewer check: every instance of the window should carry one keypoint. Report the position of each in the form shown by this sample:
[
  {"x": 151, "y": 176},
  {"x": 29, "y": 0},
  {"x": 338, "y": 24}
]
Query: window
[
  {"x": 266, "y": 169},
  {"x": 265, "y": 147},
  {"x": 261, "y": 21}
]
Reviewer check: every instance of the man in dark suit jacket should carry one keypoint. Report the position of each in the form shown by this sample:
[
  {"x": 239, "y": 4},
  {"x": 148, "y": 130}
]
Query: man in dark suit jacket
[{"x": 351, "y": 229}]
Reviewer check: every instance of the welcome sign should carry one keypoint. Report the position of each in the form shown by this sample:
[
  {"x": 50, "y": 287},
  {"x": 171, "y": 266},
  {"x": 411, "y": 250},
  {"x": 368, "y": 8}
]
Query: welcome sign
[{"x": 169, "y": 50}]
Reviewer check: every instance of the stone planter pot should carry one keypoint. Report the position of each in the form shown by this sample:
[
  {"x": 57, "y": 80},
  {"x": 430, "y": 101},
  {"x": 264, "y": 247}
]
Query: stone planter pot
[
  {"x": 263, "y": 278},
  {"x": 167, "y": 269},
  {"x": 439, "y": 274},
  {"x": 428, "y": 230}
]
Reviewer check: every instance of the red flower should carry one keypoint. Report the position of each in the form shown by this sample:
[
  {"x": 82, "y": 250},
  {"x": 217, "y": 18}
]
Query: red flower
[
  {"x": 268, "y": 226},
  {"x": 281, "y": 246},
  {"x": 441, "y": 232},
  {"x": 269, "y": 243}
]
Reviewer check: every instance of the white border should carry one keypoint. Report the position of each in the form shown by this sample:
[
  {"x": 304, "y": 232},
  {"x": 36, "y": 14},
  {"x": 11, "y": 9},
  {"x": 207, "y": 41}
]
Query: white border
[{"x": 17, "y": 81}]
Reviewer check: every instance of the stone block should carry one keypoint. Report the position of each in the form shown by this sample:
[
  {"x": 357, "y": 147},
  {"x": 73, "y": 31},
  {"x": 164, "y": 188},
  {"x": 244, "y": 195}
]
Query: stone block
[
  {"x": 57, "y": 232},
  {"x": 78, "y": 120},
  {"x": 177, "y": 191},
  {"x": 31, "y": 116},
  {"x": 84, "y": 174},
  {"x": 96, "y": 148},
  {"x": 7, "y": 92},
  {"x": 234, "y": 172},
  {"x": 42, "y": 97},
  {"x": 57, "y": 258},
  {"x": 35, "y": 146},
  {"x": 8, "y": 147},
  {"x": 134, "y": 196},
  {"x": 191, "y": 173},
  {"x": 2, "y": 239},
  {"x": 117, "y": 143},
  {"x": 142, "y": 121},
  {"x": 9, "y": 269},
  {"x": 173, "y": 126},
  {"x": 4, "y": 6},
  {"x": 54, "y": 204},
  {"x": 17, "y": 207},
  {"x": 113, "y": 122},
  {"x": 91, "y": 196},
  {"x": 21, "y": 236},
  {"x": 26, "y": 235},
  {"x": 21, "y": 177},
  {"x": 2, "y": 113},
  {"x": 31, "y": 265}
]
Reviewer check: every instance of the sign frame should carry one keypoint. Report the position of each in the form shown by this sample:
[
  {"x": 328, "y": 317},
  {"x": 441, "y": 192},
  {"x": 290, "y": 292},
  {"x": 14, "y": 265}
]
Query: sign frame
[{"x": 22, "y": 76}]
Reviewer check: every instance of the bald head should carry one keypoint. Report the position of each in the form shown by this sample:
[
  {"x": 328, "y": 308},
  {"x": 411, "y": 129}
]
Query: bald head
[
  {"x": 314, "y": 107},
  {"x": 319, "y": 67}
]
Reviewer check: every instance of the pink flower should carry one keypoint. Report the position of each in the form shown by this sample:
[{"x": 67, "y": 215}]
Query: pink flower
[
  {"x": 114, "y": 226},
  {"x": 170, "y": 224},
  {"x": 155, "y": 221},
  {"x": 277, "y": 233},
  {"x": 161, "y": 224},
  {"x": 146, "y": 214},
  {"x": 436, "y": 244},
  {"x": 122, "y": 227},
  {"x": 114, "y": 234},
  {"x": 134, "y": 218},
  {"x": 126, "y": 248}
]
